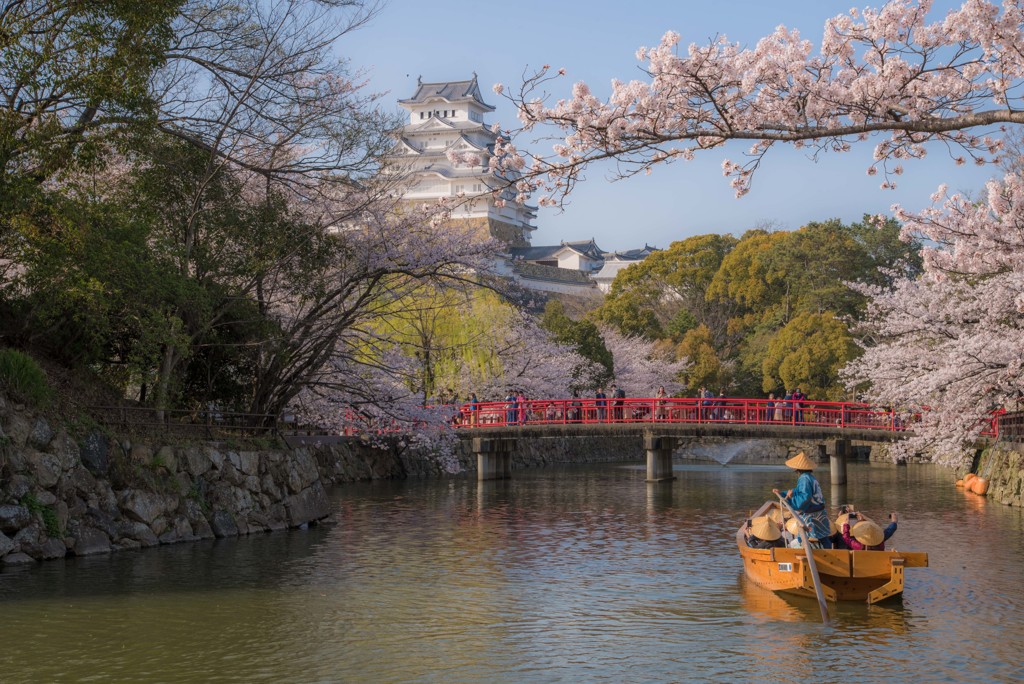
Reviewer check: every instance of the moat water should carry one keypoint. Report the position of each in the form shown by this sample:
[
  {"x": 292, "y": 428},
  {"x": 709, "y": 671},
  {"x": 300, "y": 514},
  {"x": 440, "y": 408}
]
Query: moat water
[{"x": 565, "y": 574}]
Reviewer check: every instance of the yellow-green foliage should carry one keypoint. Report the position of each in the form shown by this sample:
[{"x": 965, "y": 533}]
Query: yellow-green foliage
[
  {"x": 706, "y": 368},
  {"x": 808, "y": 353},
  {"x": 452, "y": 334}
]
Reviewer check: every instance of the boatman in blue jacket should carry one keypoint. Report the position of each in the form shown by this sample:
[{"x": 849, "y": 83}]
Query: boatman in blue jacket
[{"x": 808, "y": 501}]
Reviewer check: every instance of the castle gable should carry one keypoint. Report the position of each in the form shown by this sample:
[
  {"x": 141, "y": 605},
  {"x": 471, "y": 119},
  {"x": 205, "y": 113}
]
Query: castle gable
[
  {"x": 448, "y": 91},
  {"x": 436, "y": 123}
]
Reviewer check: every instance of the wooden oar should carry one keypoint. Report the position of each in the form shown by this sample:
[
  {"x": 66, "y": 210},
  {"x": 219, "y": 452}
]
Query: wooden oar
[{"x": 810, "y": 561}]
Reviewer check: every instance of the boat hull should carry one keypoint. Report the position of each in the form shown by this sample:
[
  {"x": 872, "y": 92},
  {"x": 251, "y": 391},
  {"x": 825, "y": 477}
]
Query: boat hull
[{"x": 845, "y": 575}]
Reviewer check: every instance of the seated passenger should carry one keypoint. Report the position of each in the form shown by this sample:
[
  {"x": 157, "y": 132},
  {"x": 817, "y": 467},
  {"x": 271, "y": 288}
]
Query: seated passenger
[
  {"x": 863, "y": 536},
  {"x": 796, "y": 533},
  {"x": 847, "y": 514},
  {"x": 890, "y": 529},
  {"x": 837, "y": 537},
  {"x": 764, "y": 533}
]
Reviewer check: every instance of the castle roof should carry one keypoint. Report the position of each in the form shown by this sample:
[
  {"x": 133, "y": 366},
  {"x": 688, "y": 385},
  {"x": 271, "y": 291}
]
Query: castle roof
[
  {"x": 438, "y": 152},
  {"x": 449, "y": 91},
  {"x": 631, "y": 254},
  {"x": 610, "y": 269},
  {"x": 587, "y": 248}
]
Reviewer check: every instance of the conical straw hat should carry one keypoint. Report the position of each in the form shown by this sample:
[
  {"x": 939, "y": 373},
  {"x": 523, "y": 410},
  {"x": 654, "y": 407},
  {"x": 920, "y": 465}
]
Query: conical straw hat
[
  {"x": 868, "y": 533},
  {"x": 775, "y": 515},
  {"x": 793, "y": 526},
  {"x": 844, "y": 518},
  {"x": 764, "y": 528},
  {"x": 801, "y": 462}
]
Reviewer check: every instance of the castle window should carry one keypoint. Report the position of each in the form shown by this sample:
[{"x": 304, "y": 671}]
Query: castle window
[{"x": 421, "y": 115}]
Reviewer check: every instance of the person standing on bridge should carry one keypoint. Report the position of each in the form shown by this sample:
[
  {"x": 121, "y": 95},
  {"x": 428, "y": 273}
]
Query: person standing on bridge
[
  {"x": 618, "y": 394},
  {"x": 808, "y": 500},
  {"x": 601, "y": 401},
  {"x": 661, "y": 395},
  {"x": 510, "y": 408},
  {"x": 798, "y": 406}
]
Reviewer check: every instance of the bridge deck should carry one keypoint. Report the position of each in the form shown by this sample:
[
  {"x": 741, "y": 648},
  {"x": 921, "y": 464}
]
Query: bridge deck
[
  {"x": 721, "y": 417},
  {"x": 728, "y": 430}
]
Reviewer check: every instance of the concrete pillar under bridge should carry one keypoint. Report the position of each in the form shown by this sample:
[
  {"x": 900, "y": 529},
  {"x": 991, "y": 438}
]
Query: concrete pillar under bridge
[
  {"x": 837, "y": 460},
  {"x": 493, "y": 458},
  {"x": 659, "y": 457}
]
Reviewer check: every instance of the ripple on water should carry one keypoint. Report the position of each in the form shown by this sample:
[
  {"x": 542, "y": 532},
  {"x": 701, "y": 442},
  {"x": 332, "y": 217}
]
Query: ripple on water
[{"x": 584, "y": 574}]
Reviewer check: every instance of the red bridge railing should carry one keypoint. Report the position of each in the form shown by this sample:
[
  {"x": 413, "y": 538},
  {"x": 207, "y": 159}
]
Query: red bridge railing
[{"x": 725, "y": 411}]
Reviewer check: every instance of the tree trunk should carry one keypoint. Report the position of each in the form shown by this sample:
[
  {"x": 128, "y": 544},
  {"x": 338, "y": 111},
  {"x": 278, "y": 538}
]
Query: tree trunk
[{"x": 163, "y": 382}]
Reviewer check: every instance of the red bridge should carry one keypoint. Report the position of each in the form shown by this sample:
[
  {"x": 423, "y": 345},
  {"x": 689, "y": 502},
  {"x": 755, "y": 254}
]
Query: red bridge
[
  {"x": 661, "y": 422},
  {"x": 669, "y": 411}
]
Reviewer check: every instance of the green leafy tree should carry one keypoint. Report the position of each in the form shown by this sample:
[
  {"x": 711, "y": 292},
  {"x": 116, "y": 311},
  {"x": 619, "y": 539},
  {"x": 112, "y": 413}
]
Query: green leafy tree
[
  {"x": 706, "y": 368},
  {"x": 585, "y": 337},
  {"x": 71, "y": 70},
  {"x": 629, "y": 315},
  {"x": 808, "y": 353},
  {"x": 666, "y": 293}
]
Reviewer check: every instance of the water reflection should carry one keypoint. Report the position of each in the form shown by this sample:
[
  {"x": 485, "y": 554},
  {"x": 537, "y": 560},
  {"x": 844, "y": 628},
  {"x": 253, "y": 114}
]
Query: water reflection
[
  {"x": 840, "y": 494},
  {"x": 561, "y": 574}
]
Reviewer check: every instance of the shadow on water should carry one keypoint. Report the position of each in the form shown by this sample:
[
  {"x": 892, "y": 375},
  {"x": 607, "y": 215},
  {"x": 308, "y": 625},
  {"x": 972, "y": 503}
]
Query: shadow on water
[{"x": 256, "y": 561}]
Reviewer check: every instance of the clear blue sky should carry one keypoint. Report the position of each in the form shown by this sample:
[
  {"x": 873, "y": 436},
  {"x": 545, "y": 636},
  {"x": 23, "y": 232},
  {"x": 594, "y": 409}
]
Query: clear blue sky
[{"x": 596, "y": 41}]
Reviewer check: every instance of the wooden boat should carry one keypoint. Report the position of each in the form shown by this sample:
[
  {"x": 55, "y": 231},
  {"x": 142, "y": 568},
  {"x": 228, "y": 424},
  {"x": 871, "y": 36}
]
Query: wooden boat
[{"x": 845, "y": 575}]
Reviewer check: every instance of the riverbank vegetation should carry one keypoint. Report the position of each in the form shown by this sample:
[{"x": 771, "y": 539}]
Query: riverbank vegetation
[{"x": 766, "y": 312}]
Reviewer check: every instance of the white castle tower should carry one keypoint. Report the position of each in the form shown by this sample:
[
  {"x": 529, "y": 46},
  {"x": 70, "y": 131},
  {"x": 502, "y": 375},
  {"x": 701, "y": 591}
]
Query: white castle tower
[{"x": 449, "y": 117}]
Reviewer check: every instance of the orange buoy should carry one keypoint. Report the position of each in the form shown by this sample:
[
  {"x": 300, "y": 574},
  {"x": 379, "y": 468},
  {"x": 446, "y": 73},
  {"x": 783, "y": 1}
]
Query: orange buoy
[
  {"x": 979, "y": 486},
  {"x": 967, "y": 480},
  {"x": 960, "y": 483}
]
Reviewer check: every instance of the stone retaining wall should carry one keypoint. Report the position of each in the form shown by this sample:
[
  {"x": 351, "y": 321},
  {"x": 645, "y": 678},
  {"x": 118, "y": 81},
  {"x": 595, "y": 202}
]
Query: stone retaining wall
[{"x": 1003, "y": 465}]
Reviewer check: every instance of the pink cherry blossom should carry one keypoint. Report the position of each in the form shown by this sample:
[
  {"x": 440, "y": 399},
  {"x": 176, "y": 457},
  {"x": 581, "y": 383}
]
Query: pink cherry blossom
[{"x": 890, "y": 74}]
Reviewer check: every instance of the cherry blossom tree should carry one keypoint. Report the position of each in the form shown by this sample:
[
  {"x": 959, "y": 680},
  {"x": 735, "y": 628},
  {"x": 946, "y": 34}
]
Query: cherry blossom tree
[
  {"x": 376, "y": 257},
  {"x": 524, "y": 356},
  {"x": 368, "y": 386},
  {"x": 953, "y": 340},
  {"x": 641, "y": 367},
  {"x": 886, "y": 72}
]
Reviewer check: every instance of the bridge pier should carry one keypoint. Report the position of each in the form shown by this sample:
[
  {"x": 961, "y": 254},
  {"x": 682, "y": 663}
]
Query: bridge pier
[
  {"x": 838, "y": 461},
  {"x": 659, "y": 457},
  {"x": 493, "y": 458}
]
